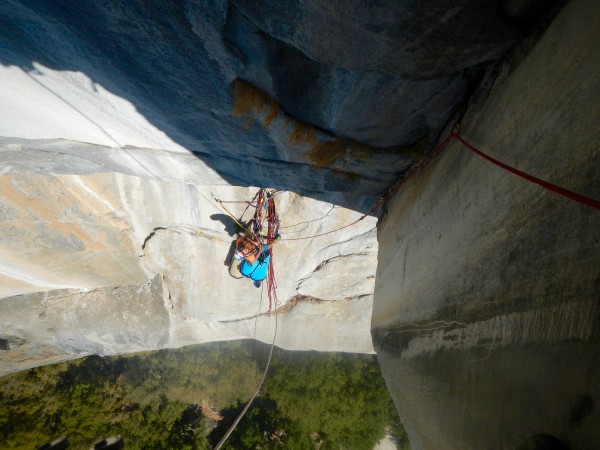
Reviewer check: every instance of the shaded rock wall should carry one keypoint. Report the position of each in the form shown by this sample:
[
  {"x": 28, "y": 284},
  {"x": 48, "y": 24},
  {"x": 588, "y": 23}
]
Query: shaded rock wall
[
  {"x": 385, "y": 73},
  {"x": 367, "y": 105},
  {"x": 486, "y": 314},
  {"x": 413, "y": 39},
  {"x": 158, "y": 74}
]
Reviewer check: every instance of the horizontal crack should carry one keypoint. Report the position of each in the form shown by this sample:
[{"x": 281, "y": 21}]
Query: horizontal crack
[
  {"x": 151, "y": 235},
  {"x": 176, "y": 229}
]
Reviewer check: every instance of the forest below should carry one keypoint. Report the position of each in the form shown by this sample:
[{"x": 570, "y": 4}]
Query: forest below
[{"x": 187, "y": 398}]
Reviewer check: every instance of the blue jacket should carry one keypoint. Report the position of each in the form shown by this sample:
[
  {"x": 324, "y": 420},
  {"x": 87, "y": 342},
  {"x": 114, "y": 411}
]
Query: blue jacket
[{"x": 257, "y": 270}]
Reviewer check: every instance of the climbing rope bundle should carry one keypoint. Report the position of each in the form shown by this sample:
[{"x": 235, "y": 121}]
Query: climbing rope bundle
[{"x": 266, "y": 213}]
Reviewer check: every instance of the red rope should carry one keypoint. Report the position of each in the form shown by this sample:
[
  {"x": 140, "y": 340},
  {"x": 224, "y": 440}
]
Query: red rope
[
  {"x": 546, "y": 185},
  {"x": 454, "y": 135},
  {"x": 257, "y": 223},
  {"x": 414, "y": 169},
  {"x": 272, "y": 232},
  {"x": 272, "y": 285}
]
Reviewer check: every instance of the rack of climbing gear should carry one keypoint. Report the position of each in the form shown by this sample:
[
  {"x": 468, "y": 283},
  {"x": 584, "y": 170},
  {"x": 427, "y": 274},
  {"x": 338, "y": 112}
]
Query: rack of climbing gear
[{"x": 262, "y": 228}]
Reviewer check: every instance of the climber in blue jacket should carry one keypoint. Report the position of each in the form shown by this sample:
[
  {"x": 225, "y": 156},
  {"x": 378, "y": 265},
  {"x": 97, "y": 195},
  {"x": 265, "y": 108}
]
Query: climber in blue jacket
[
  {"x": 257, "y": 270},
  {"x": 255, "y": 262}
]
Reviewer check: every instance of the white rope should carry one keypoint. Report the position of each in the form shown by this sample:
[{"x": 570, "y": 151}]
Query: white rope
[{"x": 224, "y": 439}]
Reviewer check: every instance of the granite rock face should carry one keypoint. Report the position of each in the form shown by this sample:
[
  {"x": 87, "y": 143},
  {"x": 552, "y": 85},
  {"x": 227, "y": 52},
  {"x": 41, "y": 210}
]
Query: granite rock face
[
  {"x": 107, "y": 263},
  {"x": 361, "y": 103},
  {"x": 116, "y": 129},
  {"x": 486, "y": 312},
  {"x": 384, "y": 73},
  {"x": 413, "y": 39}
]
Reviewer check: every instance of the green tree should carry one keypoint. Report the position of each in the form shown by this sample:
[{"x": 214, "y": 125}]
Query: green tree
[
  {"x": 309, "y": 400},
  {"x": 340, "y": 400},
  {"x": 316, "y": 400}
]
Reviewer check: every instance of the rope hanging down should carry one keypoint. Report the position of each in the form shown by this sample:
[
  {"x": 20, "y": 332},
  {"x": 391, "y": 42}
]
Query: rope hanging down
[
  {"x": 265, "y": 212},
  {"x": 272, "y": 234},
  {"x": 256, "y": 392}
]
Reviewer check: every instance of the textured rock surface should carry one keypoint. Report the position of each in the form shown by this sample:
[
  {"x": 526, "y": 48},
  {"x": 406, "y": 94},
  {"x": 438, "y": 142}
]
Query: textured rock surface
[
  {"x": 116, "y": 126},
  {"x": 151, "y": 75},
  {"x": 415, "y": 39},
  {"x": 368, "y": 105},
  {"x": 61, "y": 324},
  {"x": 486, "y": 313},
  {"x": 110, "y": 263},
  {"x": 385, "y": 73}
]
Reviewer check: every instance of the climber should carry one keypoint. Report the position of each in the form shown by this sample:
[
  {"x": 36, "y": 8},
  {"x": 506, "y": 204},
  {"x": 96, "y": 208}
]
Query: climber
[{"x": 255, "y": 258}]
